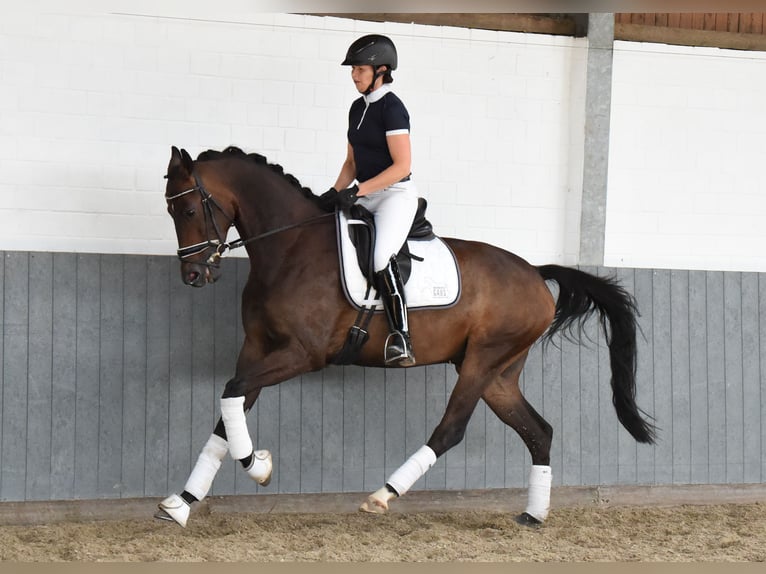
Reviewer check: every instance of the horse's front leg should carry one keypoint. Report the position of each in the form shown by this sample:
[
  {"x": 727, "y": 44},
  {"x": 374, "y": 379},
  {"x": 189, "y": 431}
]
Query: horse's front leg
[
  {"x": 178, "y": 507},
  {"x": 231, "y": 433},
  {"x": 234, "y": 411}
]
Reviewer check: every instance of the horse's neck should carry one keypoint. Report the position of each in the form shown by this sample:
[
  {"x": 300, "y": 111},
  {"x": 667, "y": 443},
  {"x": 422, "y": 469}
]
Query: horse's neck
[{"x": 268, "y": 205}]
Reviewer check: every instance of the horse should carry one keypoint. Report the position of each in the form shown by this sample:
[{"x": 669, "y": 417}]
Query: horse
[{"x": 296, "y": 317}]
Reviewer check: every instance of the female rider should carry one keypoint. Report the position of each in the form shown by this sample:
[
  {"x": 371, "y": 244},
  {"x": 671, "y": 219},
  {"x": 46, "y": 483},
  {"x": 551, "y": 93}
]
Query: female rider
[{"x": 378, "y": 159}]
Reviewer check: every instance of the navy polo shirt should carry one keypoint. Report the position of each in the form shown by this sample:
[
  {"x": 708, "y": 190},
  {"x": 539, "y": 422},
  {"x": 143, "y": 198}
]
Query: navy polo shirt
[{"x": 370, "y": 119}]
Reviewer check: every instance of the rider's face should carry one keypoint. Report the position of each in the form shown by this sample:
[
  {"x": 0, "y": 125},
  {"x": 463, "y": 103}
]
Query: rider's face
[{"x": 362, "y": 77}]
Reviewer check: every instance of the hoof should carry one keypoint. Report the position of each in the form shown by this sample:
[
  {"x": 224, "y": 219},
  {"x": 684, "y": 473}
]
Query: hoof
[
  {"x": 377, "y": 502},
  {"x": 261, "y": 467},
  {"x": 173, "y": 509},
  {"x": 374, "y": 506},
  {"x": 526, "y": 519}
]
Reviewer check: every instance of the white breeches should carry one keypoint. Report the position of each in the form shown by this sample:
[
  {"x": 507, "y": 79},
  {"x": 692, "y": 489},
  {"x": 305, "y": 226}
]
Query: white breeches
[{"x": 394, "y": 210}]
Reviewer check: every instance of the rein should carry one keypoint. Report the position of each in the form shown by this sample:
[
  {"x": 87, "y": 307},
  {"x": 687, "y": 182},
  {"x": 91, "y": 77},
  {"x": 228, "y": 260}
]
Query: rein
[{"x": 218, "y": 243}]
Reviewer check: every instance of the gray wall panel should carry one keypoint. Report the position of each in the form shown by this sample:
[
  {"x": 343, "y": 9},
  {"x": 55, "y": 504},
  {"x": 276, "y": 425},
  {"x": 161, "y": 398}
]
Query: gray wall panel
[
  {"x": 332, "y": 429},
  {"x": 13, "y": 473},
  {"x": 395, "y": 439},
  {"x": 87, "y": 399},
  {"x": 663, "y": 382},
  {"x": 39, "y": 389},
  {"x": 374, "y": 428},
  {"x": 134, "y": 396},
  {"x": 698, "y": 379},
  {"x": 415, "y": 433},
  {"x": 751, "y": 384},
  {"x": 312, "y": 419},
  {"x": 679, "y": 376},
  {"x": 288, "y": 462},
  {"x": 157, "y": 374},
  {"x": 762, "y": 368},
  {"x": 716, "y": 389},
  {"x": 733, "y": 376},
  {"x": 63, "y": 375},
  {"x": 3, "y": 461},
  {"x": 352, "y": 464},
  {"x": 113, "y": 370}
]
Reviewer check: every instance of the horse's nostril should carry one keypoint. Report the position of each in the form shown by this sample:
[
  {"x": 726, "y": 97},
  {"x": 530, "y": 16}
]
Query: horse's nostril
[{"x": 192, "y": 277}]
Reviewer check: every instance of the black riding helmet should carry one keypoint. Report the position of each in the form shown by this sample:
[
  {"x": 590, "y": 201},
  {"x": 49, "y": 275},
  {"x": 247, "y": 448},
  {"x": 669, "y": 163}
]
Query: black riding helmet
[{"x": 372, "y": 50}]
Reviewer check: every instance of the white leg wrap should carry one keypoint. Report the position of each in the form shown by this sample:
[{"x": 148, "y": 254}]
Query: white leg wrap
[
  {"x": 237, "y": 435},
  {"x": 539, "y": 500},
  {"x": 415, "y": 467},
  {"x": 209, "y": 461}
]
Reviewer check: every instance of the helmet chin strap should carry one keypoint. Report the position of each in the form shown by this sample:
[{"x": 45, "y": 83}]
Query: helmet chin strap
[{"x": 375, "y": 77}]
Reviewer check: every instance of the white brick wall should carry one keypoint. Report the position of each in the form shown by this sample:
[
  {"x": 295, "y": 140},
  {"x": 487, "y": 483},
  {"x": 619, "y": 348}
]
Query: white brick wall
[
  {"x": 91, "y": 103},
  {"x": 687, "y": 150}
]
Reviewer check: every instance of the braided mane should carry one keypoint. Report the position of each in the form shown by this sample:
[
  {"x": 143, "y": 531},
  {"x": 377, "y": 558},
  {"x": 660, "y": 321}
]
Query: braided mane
[{"x": 233, "y": 151}]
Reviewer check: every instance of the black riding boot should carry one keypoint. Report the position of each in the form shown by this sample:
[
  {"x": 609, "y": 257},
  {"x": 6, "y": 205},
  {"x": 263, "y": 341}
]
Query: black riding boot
[{"x": 398, "y": 346}]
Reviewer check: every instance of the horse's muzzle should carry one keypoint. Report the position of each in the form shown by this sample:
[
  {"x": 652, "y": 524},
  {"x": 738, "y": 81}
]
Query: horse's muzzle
[{"x": 197, "y": 275}]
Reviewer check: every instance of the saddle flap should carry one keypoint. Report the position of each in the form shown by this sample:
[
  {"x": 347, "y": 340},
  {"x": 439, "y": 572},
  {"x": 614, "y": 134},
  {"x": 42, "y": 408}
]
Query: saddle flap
[{"x": 361, "y": 229}]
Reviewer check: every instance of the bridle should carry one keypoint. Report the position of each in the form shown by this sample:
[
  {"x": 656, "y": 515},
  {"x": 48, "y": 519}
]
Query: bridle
[{"x": 218, "y": 244}]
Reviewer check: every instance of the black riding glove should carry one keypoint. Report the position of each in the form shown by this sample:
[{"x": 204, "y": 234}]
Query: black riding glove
[
  {"x": 327, "y": 199},
  {"x": 347, "y": 197}
]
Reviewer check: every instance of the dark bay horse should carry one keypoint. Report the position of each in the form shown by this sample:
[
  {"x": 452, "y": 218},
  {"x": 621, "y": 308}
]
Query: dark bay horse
[{"x": 296, "y": 317}]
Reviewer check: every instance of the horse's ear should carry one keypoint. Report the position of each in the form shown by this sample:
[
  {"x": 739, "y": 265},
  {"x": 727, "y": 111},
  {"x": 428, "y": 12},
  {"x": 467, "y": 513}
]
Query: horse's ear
[
  {"x": 188, "y": 161},
  {"x": 181, "y": 163}
]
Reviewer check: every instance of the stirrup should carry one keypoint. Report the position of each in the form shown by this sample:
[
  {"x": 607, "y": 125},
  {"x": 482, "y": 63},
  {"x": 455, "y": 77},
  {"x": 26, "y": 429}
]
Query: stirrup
[{"x": 398, "y": 352}]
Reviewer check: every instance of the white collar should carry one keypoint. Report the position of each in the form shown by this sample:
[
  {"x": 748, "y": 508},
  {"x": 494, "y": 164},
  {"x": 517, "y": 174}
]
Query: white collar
[{"x": 376, "y": 95}]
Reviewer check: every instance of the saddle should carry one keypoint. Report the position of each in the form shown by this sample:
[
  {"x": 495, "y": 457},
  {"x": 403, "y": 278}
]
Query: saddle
[
  {"x": 433, "y": 283},
  {"x": 362, "y": 233}
]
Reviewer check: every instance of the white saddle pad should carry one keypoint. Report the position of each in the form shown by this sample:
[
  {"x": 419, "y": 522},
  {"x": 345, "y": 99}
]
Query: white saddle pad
[{"x": 434, "y": 282}]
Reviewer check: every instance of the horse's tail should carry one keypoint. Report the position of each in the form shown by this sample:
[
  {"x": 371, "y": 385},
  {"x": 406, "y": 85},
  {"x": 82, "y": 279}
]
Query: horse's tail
[{"x": 580, "y": 296}]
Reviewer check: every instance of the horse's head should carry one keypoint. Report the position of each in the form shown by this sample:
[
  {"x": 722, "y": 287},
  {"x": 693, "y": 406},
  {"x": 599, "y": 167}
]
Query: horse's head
[{"x": 201, "y": 219}]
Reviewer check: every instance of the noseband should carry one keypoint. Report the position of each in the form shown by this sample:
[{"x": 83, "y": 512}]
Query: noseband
[{"x": 218, "y": 244}]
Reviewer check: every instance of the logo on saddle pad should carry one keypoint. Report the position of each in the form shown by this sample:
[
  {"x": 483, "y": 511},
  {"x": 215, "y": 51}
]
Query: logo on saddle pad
[{"x": 434, "y": 279}]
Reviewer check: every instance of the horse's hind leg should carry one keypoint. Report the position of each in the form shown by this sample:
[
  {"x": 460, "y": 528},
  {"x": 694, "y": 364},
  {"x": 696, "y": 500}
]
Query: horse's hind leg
[
  {"x": 448, "y": 433},
  {"x": 505, "y": 399}
]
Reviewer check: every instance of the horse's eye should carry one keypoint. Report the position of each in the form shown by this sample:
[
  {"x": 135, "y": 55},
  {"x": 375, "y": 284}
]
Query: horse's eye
[{"x": 190, "y": 212}]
